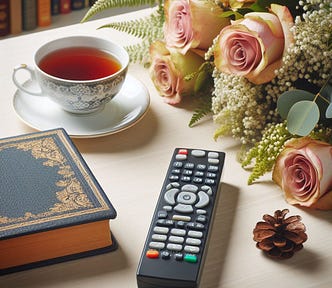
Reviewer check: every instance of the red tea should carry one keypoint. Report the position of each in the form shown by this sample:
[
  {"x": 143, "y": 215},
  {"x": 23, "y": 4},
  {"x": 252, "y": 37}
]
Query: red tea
[{"x": 79, "y": 63}]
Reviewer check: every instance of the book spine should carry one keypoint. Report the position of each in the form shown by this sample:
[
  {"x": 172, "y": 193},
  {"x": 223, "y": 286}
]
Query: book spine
[
  {"x": 55, "y": 7},
  {"x": 77, "y": 4},
  {"x": 5, "y": 18},
  {"x": 43, "y": 13},
  {"x": 15, "y": 8},
  {"x": 29, "y": 14},
  {"x": 65, "y": 6}
]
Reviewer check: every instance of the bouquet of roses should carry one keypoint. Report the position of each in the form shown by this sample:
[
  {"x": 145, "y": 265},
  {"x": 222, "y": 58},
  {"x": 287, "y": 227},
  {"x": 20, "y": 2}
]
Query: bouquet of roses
[{"x": 262, "y": 67}]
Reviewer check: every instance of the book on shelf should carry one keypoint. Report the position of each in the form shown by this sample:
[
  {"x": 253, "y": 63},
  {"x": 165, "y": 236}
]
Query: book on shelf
[
  {"x": 44, "y": 13},
  {"x": 29, "y": 14},
  {"x": 55, "y": 7},
  {"x": 52, "y": 208},
  {"x": 77, "y": 4},
  {"x": 65, "y": 6},
  {"x": 4, "y": 18},
  {"x": 15, "y": 7}
]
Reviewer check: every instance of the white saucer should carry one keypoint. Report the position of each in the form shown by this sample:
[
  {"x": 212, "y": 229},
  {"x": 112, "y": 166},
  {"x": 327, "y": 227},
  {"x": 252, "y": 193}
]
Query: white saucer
[{"x": 122, "y": 112}]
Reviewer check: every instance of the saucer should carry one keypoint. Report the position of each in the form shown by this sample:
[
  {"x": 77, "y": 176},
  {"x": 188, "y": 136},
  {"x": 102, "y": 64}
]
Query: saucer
[{"x": 122, "y": 112}]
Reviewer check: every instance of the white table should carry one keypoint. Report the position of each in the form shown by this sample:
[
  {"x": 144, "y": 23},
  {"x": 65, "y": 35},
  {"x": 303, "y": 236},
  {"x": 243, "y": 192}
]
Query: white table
[{"x": 131, "y": 166}]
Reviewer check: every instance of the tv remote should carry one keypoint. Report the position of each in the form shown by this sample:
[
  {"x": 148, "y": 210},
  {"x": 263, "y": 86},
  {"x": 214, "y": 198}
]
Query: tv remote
[{"x": 176, "y": 244}]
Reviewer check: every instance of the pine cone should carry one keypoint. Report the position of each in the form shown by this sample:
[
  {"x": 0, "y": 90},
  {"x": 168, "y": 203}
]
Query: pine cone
[{"x": 279, "y": 237}]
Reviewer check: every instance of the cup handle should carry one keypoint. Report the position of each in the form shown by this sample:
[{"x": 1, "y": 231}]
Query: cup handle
[{"x": 32, "y": 78}]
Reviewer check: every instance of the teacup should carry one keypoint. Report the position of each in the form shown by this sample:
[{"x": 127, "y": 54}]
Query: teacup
[{"x": 66, "y": 83}]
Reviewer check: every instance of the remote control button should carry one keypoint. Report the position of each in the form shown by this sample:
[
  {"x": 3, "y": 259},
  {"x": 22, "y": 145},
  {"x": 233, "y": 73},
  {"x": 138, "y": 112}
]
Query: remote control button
[
  {"x": 177, "y": 164},
  {"x": 174, "y": 247},
  {"x": 201, "y": 219},
  {"x": 157, "y": 245},
  {"x": 183, "y": 151},
  {"x": 178, "y": 256},
  {"x": 191, "y": 249},
  {"x": 186, "y": 198},
  {"x": 213, "y": 168},
  {"x": 197, "y": 180},
  {"x": 181, "y": 218},
  {"x": 187, "y": 172},
  {"x": 185, "y": 179},
  {"x": 210, "y": 181},
  {"x": 176, "y": 239},
  {"x": 153, "y": 254},
  {"x": 176, "y": 171},
  {"x": 172, "y": 185},
  {"x": 199, "y": 174},
  {"x": 195, "y": 226},
  {"x": 203, "y": 200},
  {"x": 181, "y": 157},
  {"x": 189, "y": 188},
  {"x": 178, "y": 232},
  {"x": 183, "y": 208},
  {"x": 211, "y": 175},
  {"x": 213, "y": 161},
  {"x": 213, "y": 155},
  {"x": 160, "y": 230},
  {"x": 162, "y": 214},
  {"x": 168, "y": 208},
  {"x": 190, "y": 258},
  {"x": 201, "y": 167},
  {"x": 180, "y": 224},
  {"x": 200, "y": 211},
  {"x": 165, "y": 255},
  {"x": 159, "y": 237},
  {"x": 169, "y": 196},
  {"x": 198, "y": 153},
  {"x": 165, "y": 223},
  {"x": 207, "y": 189},
  {"x": 193, "y": 241},
  {"x": 189, "y": 165},
  {"x": 195, "y": 234},
  {"x": 173, "y": 178}
]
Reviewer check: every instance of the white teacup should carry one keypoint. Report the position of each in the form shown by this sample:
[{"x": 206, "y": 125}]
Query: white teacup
[{"x": 76, "y": 96}]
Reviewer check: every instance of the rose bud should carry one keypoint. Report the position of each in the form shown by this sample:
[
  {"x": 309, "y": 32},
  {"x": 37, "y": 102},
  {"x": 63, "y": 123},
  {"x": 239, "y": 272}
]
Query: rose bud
[
  {"x": 253, "y": 47},
  {"x": 303, "y": 170}
]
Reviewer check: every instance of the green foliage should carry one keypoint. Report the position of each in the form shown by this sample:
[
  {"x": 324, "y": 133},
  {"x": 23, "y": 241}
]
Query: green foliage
[
  {"x": 266, "y": 151},
  {"x": 204, "y": 108},
  {"x": 101, "y": 5}
]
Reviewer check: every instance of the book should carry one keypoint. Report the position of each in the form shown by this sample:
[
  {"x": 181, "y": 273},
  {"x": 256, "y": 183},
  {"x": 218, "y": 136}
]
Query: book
[
  {"x": 4, "y": 18},
  {"x": 77, "y": 4},
  {"x": 29, "y": 14},
  {"x": 52, "y": 208},
  {"x": 55, "y": 7},
  {"x": 15, "y": 16},
  {"x": 65, "y": 6},
  {"x": 43, "y": 13}
]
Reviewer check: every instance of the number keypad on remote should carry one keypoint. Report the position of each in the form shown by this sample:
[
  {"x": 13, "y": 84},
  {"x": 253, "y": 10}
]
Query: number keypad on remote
[{"x": 178, "y": 234}]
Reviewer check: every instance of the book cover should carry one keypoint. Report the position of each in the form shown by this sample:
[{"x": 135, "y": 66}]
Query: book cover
[
  {"x": 43, "y": 13},
  {"x": 55, "y": 7},
  {"x": 15, "y": 16},
  {"x": 4, "y": 18},
  {"x": 65, "y": 6},
  {"x": 29, "y": 14},
  {"x": 52, "y": 208},
  {"x": 77, "y": 4}
]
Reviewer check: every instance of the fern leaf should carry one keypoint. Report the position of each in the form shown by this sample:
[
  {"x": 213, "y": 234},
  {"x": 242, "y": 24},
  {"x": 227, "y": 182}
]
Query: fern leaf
[
  {"x": 204, "y": 109},
  {"x": 101, "y": 5}
]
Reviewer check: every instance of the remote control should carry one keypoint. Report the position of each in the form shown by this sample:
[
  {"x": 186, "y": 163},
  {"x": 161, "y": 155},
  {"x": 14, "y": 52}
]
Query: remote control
[{"x": 176, "y": 244}]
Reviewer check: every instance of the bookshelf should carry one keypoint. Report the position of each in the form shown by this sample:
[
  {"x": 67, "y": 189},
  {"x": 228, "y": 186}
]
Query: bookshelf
[{"x": 74, "y": 17}]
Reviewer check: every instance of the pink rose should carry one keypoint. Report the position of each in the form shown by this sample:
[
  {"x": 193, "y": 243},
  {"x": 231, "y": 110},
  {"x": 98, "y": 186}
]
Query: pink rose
[
  {"x": 303, "y": 170},
  {"x": 168, "y": 70},
  {"x": 192, "y": 24},
  {"x": 253, "y": 47}
]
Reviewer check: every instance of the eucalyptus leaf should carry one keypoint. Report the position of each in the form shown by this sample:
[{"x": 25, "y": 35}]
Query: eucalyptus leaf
[
  {"x": 287, "y": 99},
  {"x": 328, "y": 113},
  {"x": 302, "y": 118}
]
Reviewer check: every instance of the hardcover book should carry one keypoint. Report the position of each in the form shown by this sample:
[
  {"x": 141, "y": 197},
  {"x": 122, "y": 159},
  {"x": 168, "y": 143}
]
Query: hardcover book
[
  {"x": 4, "y": 18},
  {"x": 52, "y": 208},
  {"x": 29, "y": 14}
]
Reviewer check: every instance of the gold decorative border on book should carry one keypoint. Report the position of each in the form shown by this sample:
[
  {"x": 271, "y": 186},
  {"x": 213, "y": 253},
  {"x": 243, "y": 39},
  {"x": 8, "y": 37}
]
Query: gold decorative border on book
[{"x": 71, "y": 195}]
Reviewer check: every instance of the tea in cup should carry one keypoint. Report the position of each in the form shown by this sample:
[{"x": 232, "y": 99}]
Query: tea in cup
[{"x": 80, "y": 73}]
